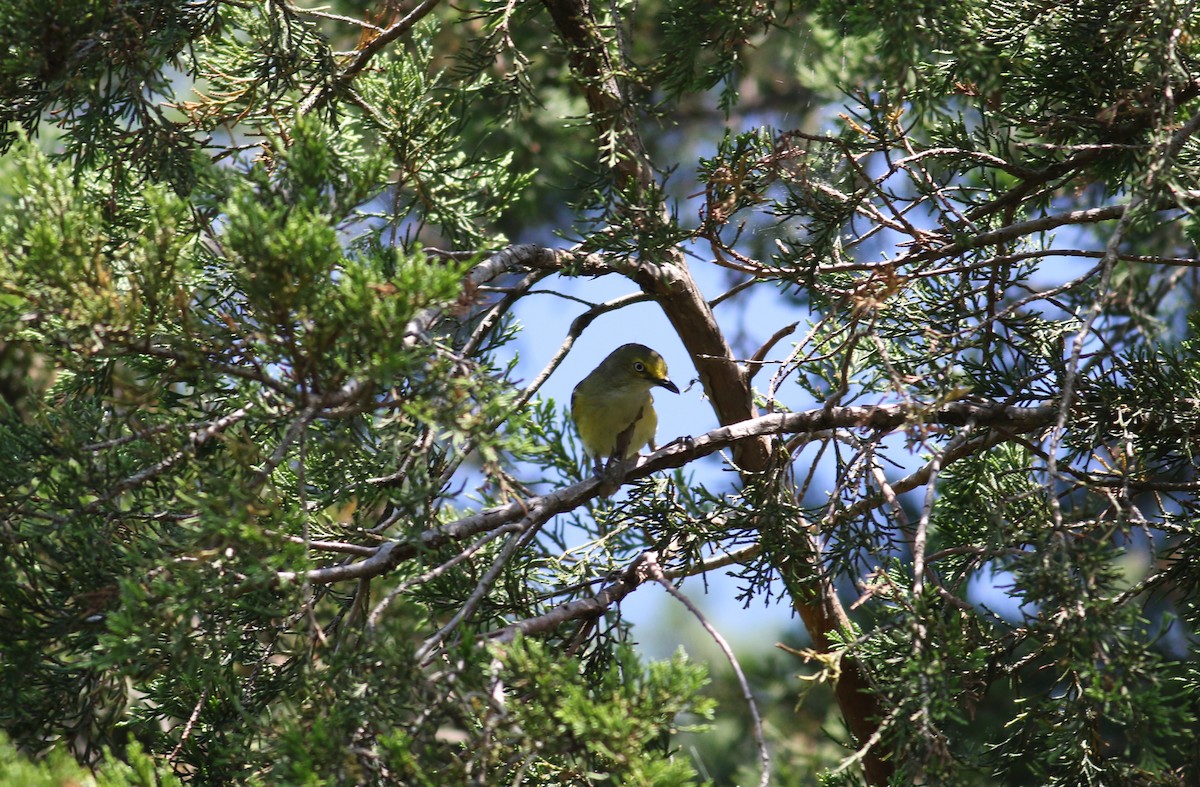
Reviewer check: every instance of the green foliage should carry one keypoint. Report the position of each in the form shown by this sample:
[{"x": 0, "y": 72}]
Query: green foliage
[
  {"x": 103, "y": 69},
  {"x": 619, "y": 722},
  {"x": 722, "y": 30},
  {"x": 60, "y": 768},
  {"x": 193, "y": 388}
]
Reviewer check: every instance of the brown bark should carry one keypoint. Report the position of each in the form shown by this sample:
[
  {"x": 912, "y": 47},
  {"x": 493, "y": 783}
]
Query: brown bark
[{"x": 725, "y": 381}]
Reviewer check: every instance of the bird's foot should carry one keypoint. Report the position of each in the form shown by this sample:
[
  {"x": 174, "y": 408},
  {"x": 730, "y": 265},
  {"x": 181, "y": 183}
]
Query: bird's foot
[
  {"x": 687, "y": 441},
  {"x": 611, "y": 475}
]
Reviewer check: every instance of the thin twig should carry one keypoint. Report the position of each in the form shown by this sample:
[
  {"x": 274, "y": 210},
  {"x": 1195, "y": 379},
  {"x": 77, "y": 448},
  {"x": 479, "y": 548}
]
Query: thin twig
[
  {"x": 629, "y": 580},
  {"x": 349, "y": 20},
  {"x": 191, "y": 722},
  {"x": 535, "y": 511},
  {"x": 425, "y": 653},
  {"x": 318, "y": 97},
  {"x": 435, "y": 572},
  {"x": 712, "y": 564},
  {"x": 764, "y": 756}
]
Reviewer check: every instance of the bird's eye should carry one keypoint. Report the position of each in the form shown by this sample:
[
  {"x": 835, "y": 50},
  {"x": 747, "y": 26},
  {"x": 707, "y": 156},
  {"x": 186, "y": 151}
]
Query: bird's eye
[{"x": 639, "y": 367}]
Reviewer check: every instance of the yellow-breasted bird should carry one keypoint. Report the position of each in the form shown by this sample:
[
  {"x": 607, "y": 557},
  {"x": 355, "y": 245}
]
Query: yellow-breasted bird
[{"x": 612, "y": 406}]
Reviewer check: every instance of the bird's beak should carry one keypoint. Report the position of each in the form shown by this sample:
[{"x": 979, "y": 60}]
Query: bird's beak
[{"x": 665, "y": 383}]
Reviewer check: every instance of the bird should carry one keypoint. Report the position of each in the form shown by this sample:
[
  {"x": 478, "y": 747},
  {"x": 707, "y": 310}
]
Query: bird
[{"x": 612, "y": 406}]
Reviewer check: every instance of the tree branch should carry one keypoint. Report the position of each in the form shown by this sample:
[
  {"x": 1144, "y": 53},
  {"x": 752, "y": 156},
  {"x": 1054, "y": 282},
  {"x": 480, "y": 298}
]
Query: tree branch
[
  {"x": 630, "y": 580},
  {"x": 317, "y": 98},
  {"x": 656, "y": 573},
  {"x": 537, "y": 510},
  {"x": 671, "y": 284}
]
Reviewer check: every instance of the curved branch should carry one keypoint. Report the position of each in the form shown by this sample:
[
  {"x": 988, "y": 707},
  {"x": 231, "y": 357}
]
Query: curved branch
[
  {"x": 656, "y": 573},
  {"x": 629, "y": 580},
  {"x": 724, "y": 381},
  {"x": 534, "y": 512},
  {"x": 317, "y": 98}
]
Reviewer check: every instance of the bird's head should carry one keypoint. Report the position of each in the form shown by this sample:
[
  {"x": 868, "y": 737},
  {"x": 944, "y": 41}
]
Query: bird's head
[{"x": 637, "y": 364}]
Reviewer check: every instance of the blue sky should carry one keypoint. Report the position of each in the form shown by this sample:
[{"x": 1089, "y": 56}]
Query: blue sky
[{"x": 546, "y": 318}]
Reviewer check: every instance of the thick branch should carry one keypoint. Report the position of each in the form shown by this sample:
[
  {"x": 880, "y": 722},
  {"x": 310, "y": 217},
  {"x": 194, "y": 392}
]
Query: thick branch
[
  {"x": 537, "y": 510},
  {"x": 817, "y": 603},
  {"x": 725, "y": 383}
]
